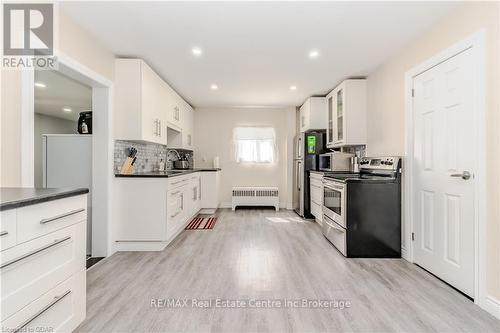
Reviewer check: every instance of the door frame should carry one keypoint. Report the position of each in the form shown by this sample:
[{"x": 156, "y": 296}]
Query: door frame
[
  {"x": 102, "y": 144},
  {"x": 475, "y": 43}
]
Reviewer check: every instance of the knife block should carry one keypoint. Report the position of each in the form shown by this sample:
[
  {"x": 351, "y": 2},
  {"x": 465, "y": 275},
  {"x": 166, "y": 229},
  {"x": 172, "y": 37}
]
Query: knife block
[{"x": 127, "y": 167}]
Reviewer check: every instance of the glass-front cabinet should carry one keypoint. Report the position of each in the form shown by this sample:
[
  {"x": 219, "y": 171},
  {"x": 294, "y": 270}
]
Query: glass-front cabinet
[
  {"x": 346, "y": 106},
  {"x": 339, "y": 116},
  {"x": 330, "y": 126}
]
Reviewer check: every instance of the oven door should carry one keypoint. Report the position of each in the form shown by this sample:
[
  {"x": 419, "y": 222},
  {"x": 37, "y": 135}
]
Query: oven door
[
  {"x": 334, "y": 201},
  {"x": 325, "y": 162}
]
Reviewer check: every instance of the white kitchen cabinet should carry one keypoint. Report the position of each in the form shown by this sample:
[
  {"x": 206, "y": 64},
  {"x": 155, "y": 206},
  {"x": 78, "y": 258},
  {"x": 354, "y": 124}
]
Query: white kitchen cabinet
[
  {"x": 312, "y": 114},
  {"x": 141, "y": 101},
  {"x": 174, "y": 110},
  {"x": 43, "y": 269},
  {"x": 187, "y": 126},
  {"x": 210, "y": 191},
  {"x": 346, "y": 110},
  {"x": 316, "y": 190},
  {"x": 153, "y": 211}
]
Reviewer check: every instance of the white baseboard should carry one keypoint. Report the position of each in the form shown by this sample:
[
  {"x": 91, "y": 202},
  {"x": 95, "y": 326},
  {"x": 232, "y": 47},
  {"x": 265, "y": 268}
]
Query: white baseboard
[
  {"x": 140, "y": 246},
  {"x": 492, "y": 306}
]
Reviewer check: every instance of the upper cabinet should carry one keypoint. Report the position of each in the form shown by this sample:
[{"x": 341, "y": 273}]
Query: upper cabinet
[
  {"x": 312, "y": 114},
  {"x": 187, "y": 122},
  {"x": 346, "y": 114},
  {"x": 140, "y": 103},
  {"x": 174, "y": 110},
  {"x": 146, "y": 106}
]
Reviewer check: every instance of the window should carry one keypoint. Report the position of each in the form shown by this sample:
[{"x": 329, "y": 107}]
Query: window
[{"x": 255, "y": 144}]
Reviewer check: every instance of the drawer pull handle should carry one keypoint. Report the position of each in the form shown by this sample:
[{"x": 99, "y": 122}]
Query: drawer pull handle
[
  {"x": 175, "y": 183},
  {"x": 39, "y": 313},
  {"x": 4, "y": 233},
  {"x": 176, "y": 192},
  {"x": 29, "y": 254},
  {"x": 172, "y": 216},
  {"x": 73, "y": 212}
]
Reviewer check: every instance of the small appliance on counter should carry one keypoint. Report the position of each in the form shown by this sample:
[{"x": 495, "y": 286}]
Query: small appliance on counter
[
  {"x": 362, "y": 211},
  {"x": 85, "y": 122},
  {"x": 182, "y": 164},
  {"x": 335, "y": 161}
]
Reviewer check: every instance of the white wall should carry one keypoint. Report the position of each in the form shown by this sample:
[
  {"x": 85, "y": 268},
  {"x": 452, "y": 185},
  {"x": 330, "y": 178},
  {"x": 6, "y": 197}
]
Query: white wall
[
  {"x": 386, "y": 106},
  {"x": 213, "y": 128},
  {"x": 48, "y": 125}
]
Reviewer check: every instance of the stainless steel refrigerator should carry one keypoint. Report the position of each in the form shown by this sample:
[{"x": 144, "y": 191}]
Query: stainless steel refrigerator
[
  {"x": 308, "y": 146},
  {"x": 67, "y": 162}
]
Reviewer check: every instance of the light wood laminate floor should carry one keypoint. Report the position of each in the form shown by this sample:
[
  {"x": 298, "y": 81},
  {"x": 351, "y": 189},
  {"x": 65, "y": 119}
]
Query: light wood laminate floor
[{"x": 261, "y": 255}]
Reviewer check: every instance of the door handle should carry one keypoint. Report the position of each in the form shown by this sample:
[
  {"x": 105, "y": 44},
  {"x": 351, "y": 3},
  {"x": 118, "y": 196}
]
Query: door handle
[{"x": 464, "y": 175}]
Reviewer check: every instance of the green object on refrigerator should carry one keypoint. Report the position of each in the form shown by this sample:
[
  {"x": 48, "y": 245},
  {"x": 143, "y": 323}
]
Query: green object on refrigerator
[{"x": 311, "y": 144}]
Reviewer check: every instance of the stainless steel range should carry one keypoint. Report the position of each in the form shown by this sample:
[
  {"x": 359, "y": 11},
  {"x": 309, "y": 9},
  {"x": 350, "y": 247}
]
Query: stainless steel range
[{"x": 362, "y": 211}]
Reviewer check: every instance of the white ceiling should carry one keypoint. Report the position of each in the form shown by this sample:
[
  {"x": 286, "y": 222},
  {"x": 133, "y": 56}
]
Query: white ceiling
[
  {"x": 254, "y": 51},
  {"x": 61, "y": 92}
]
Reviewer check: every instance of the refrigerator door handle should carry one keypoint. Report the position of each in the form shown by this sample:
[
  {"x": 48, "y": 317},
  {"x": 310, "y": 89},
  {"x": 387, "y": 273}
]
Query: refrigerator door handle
[{"x": 299, "y": 175}]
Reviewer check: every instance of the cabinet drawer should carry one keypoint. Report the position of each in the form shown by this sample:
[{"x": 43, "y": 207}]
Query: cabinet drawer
[
  {"x": 61, "y": 309},
  {"x": 41, "y": 219},
  {"x": 178, "y": 181},
  {"x": 31, "y": 269},
  {"x": 8, "y": 229}
]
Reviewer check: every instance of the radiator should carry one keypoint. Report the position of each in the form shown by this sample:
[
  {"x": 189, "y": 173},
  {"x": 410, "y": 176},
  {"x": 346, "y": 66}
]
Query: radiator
[{"x": 255, "y": 196}]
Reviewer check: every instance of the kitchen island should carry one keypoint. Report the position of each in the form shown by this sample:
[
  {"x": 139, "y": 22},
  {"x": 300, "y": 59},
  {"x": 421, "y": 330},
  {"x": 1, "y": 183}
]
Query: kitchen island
[{"x": 42, "y": 258}]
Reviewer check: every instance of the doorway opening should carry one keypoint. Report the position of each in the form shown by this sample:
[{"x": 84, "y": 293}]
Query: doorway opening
[
  {"x": 63, "y": 138},
  {"x": 100, "y": 148}
]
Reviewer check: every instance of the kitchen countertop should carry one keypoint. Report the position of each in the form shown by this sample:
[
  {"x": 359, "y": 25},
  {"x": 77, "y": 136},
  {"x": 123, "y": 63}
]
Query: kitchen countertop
[
  {"x": 16, "y": 197},
  {"x": 167, "y": 174}
]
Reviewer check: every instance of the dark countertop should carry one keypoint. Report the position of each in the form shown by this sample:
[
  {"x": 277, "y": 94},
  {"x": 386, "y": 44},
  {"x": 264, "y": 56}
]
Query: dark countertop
[
  {"x": 16, "y": 197},
  {"x": 166, "y": 174}
]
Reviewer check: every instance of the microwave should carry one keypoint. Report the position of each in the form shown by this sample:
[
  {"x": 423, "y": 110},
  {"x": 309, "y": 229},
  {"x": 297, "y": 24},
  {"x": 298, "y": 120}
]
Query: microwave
[{"x": 335, "y": 161}]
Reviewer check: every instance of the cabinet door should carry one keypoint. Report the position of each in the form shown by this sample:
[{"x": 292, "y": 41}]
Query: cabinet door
[
  {"x": 150, "y": 119},
  {"x": 339, "y": 115},
  {"x": 187, "y": 127},
  {"x": 330, "y": 124},
  {"x": 302, "y": 119}
]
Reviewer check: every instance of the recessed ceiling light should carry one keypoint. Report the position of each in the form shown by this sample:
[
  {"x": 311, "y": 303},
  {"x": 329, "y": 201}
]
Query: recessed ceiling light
[
  {"x": 40, "y": 85},
  {"x": 67, "y": 110},
  {"x": 313, "y": 54},
  {"x": 293, "y": 88},
  {"x": 214, "y": 87},
  {"x": 196, "y": 51}
]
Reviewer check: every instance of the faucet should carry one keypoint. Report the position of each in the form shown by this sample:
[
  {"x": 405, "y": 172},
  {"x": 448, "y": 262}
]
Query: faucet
[{"x": 178, "y": 155}]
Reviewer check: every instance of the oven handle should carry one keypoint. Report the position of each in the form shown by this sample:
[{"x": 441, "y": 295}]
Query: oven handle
[
  {"x": 333, "y": 186},
  {"x": 333, "y": 226}
]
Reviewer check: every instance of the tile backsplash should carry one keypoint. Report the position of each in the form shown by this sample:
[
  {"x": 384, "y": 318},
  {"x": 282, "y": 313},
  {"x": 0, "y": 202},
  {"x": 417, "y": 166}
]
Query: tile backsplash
[{"x": 149, "y": 155}]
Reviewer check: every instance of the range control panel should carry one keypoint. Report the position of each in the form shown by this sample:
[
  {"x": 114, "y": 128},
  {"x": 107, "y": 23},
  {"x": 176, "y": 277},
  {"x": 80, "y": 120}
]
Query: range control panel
[{"x": 380, "y": 163}]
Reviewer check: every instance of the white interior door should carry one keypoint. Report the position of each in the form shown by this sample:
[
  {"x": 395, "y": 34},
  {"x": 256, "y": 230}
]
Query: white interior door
[{"x": 443, "y": 179}]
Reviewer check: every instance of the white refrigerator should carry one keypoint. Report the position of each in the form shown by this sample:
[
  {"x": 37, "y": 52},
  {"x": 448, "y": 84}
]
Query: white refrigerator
[{"x": 67, "y": 162}]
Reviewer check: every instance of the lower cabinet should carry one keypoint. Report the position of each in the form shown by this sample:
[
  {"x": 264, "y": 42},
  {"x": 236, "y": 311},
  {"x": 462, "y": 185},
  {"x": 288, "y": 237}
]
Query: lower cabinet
[
  {"x": 153, "y": 211},
  {"x": 316, "y": 190},
  {"x": 43, "y": 271}
]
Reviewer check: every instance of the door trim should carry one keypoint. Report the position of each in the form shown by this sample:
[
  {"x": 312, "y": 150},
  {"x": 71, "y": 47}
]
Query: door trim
[
  {"x": 475, "y": 43},
  {"x": 102, "y": 144}
]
